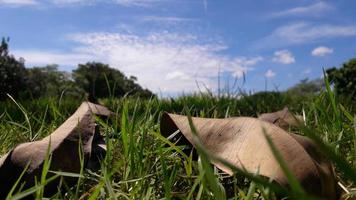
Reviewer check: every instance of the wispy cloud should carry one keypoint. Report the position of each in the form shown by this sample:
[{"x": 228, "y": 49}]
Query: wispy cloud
[
  {"x": 73, "y": 2},
  {"x": 284, "y": 57},
  {"x": 167, "y": 19},
  {"x": 205, "y": 3},
  {"x": 316, "y": 9},
  {"x": 177, "y": 75},
  {"x": 42, "y": 57},
  {"x": 126, "y": 3},
  {"x": 301, "y": 32},
  {"x": 141, "y": 3},
  {"x": 18, "y": 2},
  {"x": 321, "y": 51},
  {"x": 164, "y": 61},
  {"x": 307, "y": 71},
  {"x": 270, "y": 74}
]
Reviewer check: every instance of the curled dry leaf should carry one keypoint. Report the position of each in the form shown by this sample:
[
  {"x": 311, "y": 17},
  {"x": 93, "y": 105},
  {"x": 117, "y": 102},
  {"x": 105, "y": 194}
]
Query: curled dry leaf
[
  {"x": 283, "y": 118},
  {"x": 241, "y": 142},
  {"x": 63, "y": 146}
]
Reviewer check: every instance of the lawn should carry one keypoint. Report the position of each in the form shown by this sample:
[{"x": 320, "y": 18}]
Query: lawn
[{"x": 142, "y": 164}]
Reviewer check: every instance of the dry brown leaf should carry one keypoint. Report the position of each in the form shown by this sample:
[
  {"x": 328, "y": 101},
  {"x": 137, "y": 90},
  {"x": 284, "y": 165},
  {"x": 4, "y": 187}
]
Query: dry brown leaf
[
  {"x": 64, "y": 148},
  {"x": 241, "y": 142},
  {"x": 283, "y": 118}
]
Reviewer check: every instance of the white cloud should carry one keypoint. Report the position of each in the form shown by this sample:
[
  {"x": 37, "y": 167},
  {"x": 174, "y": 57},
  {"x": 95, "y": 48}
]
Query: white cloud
[
  {"x": 73, "y": 1},
  {"x": 205, "y": 3},
  {"x": 177, "y": 75},
  {"x": 126, "y": 3},
  {"x": 316, "y": 9},
  {"x": 240, "y": 72},
  {"x": 270, "y": 74},
  {"x": 284, "y": 57},
  {"x": 18, "y": 2},
  {"x": 307, "y": 71},
  {"x": 299, "y": 33},
  {"x": 164, "y": 61},
  {"x": 161, "y": 19},
  {"x": 130, "y": 3},
  {"x": 322, "y": 51},
  {"x": 40, "y": 58},
  {"x": 244, "y": 65}
]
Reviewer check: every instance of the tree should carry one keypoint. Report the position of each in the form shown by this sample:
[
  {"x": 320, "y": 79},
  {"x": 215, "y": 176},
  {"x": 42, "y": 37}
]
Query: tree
[
  {"x": 344, "y": 79},
  {"x": 99, "y": 80},
  {"x": 48, "y": 81},
  {"x": 307, "y": 87},
  {"x": 12, "y": 72},
  {"x": 96, "y": 79}
]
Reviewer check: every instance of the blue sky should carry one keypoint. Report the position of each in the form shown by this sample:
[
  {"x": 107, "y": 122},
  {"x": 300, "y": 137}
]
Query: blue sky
[{"x": 173, "y": 46}]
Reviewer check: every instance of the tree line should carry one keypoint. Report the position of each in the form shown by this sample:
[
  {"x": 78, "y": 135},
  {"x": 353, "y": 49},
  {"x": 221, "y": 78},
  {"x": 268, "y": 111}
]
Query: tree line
[{"x": 93, "y": 79}]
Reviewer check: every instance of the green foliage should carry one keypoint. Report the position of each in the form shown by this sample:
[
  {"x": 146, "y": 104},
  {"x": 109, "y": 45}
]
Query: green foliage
[
  {"x": 307, "y": 87},
  {"x": 344, "y": 79},
  {"x": 12, "y": 72},
  {"x": 49, "y": 82},
  {"x": 246, "y": 105},
  {"x": 99, "y": 80},
  {"x": 142, "y": 164}
]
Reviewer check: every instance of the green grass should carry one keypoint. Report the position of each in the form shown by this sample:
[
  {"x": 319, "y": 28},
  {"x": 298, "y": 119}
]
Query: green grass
[{"x": 141, "y": 164}]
